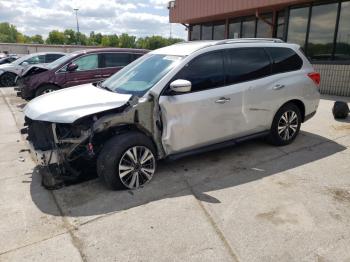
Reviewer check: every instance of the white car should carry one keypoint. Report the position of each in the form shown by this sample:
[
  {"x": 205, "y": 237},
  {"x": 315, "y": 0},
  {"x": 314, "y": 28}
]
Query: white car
[{"x": 175, "y": 101}]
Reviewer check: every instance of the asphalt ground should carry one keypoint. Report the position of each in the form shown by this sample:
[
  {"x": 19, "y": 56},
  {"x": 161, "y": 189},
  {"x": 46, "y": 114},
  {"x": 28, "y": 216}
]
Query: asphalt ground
[{"x": 252, "y": 202}]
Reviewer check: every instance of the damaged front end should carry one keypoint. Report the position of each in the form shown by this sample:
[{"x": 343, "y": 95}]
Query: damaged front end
[
  {"x": 56, "y": 148},
  {"x": 66, "y": 152}
]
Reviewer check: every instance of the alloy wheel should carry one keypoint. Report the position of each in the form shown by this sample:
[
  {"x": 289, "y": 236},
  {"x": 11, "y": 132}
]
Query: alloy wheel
[
  {"x": 48, "y": 91},
  {"x": 136, "y": 167},
  {"x": 288, "y": 125},
  {"x": 8, "y": 80}
]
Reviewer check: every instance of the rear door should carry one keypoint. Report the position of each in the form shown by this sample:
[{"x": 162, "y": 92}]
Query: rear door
[
  {"x": 266, "y": 95},
  {"x": 248, "y": 70},
  {"x": 113, "y": 62},
  {"x": 88, "y": 71}
]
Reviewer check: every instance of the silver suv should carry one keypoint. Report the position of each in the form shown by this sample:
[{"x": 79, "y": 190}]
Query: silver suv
[{"x": 175, "y": 101}]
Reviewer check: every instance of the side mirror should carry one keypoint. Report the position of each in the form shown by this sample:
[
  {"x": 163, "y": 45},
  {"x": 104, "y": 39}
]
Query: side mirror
[
  {"x": 25, "y": 63},
  {"x": 72, "y": 67},
  {"x": 181, "y": 86}
]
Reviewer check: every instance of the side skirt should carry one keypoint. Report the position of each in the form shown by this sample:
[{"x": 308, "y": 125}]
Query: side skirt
[{"x": 217, "y": 146}]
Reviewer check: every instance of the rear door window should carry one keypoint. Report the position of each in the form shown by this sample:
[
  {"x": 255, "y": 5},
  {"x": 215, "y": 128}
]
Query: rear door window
[
  {"x": 135, "y": 56},
  {"x": 88, "y": 62},
  {"x": 284, "y": 60},
  {"x": 52, "y": 57},
  {"x": 246, "y": 64},
  {"x": 116, "y": 59},
  {"x": 204, "y": 72}
]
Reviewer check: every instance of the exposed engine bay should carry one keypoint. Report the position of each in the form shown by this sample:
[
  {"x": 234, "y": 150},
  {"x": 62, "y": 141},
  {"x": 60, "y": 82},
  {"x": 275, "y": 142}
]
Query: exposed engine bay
[{"x": 61, "y": 149}]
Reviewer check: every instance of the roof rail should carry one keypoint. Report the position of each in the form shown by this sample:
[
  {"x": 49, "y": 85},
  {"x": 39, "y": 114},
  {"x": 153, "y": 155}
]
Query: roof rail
[{"x": 245, "y": 40}]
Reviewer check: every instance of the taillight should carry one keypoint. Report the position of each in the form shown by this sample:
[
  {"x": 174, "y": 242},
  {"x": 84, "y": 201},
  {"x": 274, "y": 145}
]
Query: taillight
[{"x": 316, "y": 77}]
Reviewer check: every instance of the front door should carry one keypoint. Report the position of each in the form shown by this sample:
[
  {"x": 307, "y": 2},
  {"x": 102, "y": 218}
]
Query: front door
[
  {"x": 87, "y": 72},
  {"x": 209, "y": 114}
]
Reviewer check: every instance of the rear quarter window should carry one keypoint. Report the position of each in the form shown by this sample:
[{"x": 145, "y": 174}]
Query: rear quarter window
[{"x": 284, "y": 60}]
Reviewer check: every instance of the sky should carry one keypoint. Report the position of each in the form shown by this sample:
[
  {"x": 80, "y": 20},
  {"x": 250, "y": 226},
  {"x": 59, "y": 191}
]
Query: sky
[{"x": 136, "y": 17}]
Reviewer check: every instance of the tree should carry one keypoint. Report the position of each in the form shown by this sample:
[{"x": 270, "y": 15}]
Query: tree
[
  {"x": 95, "y": 39},
  {"x": 70, "y": 37},
  {"x": 55, "y": 38},
  {"x": 37, "y": 39},
  {"x": 8, "y": 33},
  {"x": 113, "y": 40},
  {"x": 155, "y": 42},
  {"x": 82, "y": 39},
  {"x": 127, "y": 41},
  {"x": 105, "y": 41}
]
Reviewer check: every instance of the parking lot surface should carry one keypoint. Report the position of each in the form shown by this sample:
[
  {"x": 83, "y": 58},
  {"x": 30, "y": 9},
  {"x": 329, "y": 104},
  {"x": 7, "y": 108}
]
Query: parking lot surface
[{"x": 252, "y": 202}]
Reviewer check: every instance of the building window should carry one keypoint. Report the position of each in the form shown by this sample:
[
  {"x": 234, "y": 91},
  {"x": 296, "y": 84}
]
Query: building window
[
  {"x": 322, "y": 28},
  {"x": 280, "y": 27},
  {"x": 248, "y": 28},
  {"x": 264, "y": 26},
  {"x": 342, "y": 51},
  {"x": 219, "y": 31},
  {"x": 298, "y": 19},
  {"x": 234, "y": 30},
  {"x": 207, "y": 32},
  {"x": 196, "y": 32}
]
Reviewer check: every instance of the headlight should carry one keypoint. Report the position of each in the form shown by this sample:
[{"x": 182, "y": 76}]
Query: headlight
[{"x": 1, "y": 71}]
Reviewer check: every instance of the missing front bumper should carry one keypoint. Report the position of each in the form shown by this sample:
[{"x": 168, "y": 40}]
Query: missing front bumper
[{"x": 44, "y": 158}]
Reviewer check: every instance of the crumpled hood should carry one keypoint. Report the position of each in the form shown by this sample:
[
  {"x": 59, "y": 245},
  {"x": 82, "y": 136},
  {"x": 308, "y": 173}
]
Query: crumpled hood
[
  {"x": 33, "y": 70},
  {"x": 70, "y": 104}
]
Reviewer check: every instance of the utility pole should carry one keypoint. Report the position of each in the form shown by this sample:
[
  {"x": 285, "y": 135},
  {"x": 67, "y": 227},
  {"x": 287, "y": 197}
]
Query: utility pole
[{"x": 76, "y": 16}]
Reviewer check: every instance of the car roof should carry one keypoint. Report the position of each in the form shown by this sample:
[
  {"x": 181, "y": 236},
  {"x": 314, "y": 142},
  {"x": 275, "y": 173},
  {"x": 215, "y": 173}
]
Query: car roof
[
  {"x": 117, "y": 50},
  {"x": 187, "y": 48},
  {"x": 48, "y": 53}
]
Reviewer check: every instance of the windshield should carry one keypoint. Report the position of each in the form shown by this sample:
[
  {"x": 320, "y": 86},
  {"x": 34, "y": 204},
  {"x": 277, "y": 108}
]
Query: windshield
[
  {"x": 60, "y": 61},
  {"x": 22, "y": 59},
  {"x": 141, "y": 75}
]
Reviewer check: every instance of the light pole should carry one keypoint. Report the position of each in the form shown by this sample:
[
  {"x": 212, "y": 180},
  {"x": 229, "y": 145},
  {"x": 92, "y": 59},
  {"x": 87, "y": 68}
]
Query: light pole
[{"x": 76, "y": 16}]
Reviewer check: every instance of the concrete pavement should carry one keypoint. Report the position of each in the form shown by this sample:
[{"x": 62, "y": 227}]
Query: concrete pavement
[{"x": 254, "y": 202}]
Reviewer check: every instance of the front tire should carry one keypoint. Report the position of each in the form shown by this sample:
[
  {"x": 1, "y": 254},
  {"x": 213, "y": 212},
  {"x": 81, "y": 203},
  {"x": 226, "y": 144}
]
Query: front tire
[
  {"x": 127, "y": 161},
  {"x": 8, "y": 79},
  {"x": 45, "y": 89},
  {"x": 286, "y": 125}
]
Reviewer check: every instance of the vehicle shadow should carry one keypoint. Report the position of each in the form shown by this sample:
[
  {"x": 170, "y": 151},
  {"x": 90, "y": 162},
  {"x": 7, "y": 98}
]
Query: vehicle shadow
[{"x": 195, "y": 175}]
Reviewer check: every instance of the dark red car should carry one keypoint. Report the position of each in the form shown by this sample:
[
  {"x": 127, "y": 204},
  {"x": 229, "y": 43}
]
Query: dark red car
[{"x": 80, "y": 67}]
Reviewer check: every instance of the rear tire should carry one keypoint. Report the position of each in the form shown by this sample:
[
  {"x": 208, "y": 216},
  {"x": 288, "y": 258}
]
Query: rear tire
[
  {"x": 8, "y": 79},
  {"x": 286, "y": 125},
  {"x": 127, "y": 161},
  {"x": 45, "y": 89}
]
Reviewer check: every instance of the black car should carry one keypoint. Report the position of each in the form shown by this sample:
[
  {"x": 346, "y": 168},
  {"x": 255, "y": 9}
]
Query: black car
[{"x": 7, "y": 60}]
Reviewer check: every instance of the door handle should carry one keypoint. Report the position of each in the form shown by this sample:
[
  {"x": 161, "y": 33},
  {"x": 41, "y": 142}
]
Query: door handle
[
  {"x": 278, "y": 86},
  {"x": 223, "y": 100}
]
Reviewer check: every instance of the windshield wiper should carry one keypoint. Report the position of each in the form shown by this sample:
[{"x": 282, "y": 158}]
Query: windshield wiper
[{"x": 104, "y": 87}]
